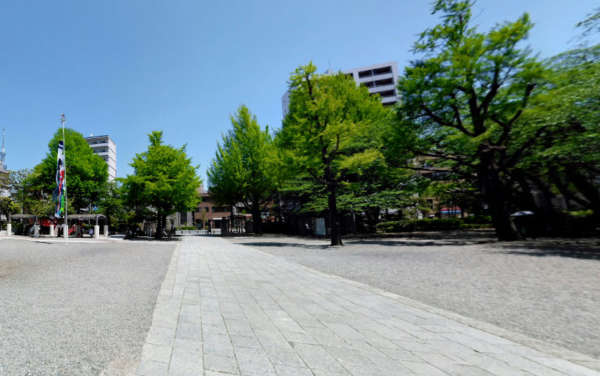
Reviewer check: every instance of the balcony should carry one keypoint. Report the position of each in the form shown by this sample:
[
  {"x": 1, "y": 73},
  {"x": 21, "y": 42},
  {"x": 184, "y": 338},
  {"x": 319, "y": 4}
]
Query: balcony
[
  {"x": 376, "y": 77},
  {"x": 381, "y": 89}
]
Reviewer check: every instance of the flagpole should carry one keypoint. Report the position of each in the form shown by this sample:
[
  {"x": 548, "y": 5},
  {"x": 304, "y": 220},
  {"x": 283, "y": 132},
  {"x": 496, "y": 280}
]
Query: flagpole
[{"x": 66, "y": 229}]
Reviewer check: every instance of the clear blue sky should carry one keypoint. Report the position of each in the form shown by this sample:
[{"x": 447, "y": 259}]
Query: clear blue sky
[{"x": 125, "y": 68}]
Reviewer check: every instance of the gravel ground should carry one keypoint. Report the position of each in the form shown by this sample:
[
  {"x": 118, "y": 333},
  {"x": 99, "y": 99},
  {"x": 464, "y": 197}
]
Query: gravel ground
[
  {"x": 549, "y": 290},
  {"x": 77, "y": 309}
]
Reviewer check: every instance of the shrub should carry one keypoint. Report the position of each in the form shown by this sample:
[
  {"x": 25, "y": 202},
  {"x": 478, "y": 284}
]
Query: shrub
[
  {"x": 429, "y": 224},
  {"x": 186, "y": 228},
  {"x": 478, "y": 219}
]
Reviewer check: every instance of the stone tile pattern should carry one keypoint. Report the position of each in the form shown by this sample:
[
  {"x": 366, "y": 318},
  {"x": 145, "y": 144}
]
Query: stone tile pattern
[{"x": 227, "y": 309}]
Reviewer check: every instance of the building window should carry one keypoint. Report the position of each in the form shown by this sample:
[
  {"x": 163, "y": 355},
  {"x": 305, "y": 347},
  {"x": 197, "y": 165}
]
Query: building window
[
  {"x": 383, "y": 70},
  {"x": 387, "y": 93},
  {"x": 387, "y": 81}
]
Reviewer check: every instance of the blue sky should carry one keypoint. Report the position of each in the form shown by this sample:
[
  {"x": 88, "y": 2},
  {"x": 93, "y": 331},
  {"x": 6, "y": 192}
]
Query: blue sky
[{"x": 128, "y": 67}]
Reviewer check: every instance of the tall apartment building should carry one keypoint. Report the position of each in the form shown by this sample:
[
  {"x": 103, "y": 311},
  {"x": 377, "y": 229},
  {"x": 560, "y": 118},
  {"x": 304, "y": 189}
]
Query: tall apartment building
[
  {"x": 4, "y": 173},
  {"x": 3, "y": 151},
  {"x": 380, "y": 79},
  {"x": 106, "y": 148}
]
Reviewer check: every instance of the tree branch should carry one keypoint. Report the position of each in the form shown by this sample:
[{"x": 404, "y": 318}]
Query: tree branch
[
  {"x": 446, "y": 123},
  {"x": 485, "y": 104}
]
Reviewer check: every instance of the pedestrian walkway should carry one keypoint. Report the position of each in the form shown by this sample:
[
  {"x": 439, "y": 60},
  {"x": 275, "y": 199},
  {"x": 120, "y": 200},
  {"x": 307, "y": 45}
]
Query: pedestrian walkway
[{"x": 227, "y": 309}]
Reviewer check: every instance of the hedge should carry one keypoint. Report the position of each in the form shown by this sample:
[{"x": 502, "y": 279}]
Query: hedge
[{"x": 432, "y": 224}]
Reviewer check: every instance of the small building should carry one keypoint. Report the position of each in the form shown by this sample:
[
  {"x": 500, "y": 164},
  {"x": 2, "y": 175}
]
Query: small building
[{"x": 211, "y": 215}]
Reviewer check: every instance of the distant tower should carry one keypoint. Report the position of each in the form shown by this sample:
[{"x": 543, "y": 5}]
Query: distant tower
[{"x": 3, "y": 150}]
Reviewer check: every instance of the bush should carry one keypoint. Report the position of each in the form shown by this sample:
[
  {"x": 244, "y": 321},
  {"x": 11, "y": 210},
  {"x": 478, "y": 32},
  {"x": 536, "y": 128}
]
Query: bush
[
  {"x": 478, "y": 219},
  {"x": 580, "y": 213},
  {"x": 580, "y": 223},
  {"x": 394, "y": 226},
  {"x": 186, "y": 228},
  {"x": 429, "y": 224}
]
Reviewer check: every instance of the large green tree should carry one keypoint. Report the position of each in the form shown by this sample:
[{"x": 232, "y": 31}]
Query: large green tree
[
  {"x": 111, "y": 204},
  {"x": 164, "y": 179},
  {"x": 18, "y": 187},
  {"x": 465, "y": 96},
  {"x": 87, "y": 173},
  {"x": 332, "y": 134},
  {"x": 559, "y": 135},
  {"x": 244, "y": 169},
  {"x": 591, "y": 24}
]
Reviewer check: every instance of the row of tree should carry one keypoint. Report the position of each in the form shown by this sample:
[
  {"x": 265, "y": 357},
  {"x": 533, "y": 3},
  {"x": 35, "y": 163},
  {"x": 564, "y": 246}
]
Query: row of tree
[
  {"x": 164, "y": 181},
  {"x": 479, "y": 116}
]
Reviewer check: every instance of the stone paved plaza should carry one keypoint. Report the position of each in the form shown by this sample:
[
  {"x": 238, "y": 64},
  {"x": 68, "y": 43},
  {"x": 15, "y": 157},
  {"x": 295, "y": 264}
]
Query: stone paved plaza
[
  {"x": 547, "y": 289},
  {"x": 228, "y": 309}
]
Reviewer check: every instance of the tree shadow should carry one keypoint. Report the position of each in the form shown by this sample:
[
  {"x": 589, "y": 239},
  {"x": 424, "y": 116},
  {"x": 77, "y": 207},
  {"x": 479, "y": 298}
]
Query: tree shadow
[
  {"x": 586, "y": 250},
  {"x": 284, "y": 244},
  {"x": 152, "y": 239},
  {"x": 372, "y": 241},
  {"x": 425, "y": 243}
]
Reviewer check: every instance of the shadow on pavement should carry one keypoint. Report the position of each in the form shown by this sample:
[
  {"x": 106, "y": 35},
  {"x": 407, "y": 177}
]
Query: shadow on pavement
[
  {"x": 285, "y": 244},
  {"x": 543, "y": 249},
  {"x": 411, "y": 243}
]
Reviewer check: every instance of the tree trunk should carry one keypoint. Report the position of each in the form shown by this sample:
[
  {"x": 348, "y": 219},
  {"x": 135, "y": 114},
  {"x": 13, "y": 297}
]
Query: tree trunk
[
  {"x": 256, "y": 217},
  {"x": 566, "y": 192},
  {"x": 108, "y": 222},
  {"x": 336, "y": 236},
  {"x": 372, "y": 214},
  {"x": 547, "y": 215},
  {"x": 495, "y": 195},
  {"x": 159, "y": 226}
]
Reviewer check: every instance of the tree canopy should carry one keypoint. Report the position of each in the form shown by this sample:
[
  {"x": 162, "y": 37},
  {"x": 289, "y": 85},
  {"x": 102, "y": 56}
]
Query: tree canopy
[
  {"x": 244, "y": 167},
  {"x": 164, "y": 179},
  {"x": 465, "y": 96},
  {"x": 87, "y": 173},
  {"x": 332, "y": 133}
]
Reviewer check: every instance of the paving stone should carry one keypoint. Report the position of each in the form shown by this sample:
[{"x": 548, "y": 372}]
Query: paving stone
[
  {"x": 292, "y": 371},
  {"x": 218, "y": 363},
  {"x": 188, "y": 345},
  {"x": 253, "y": 362},
  {"x": 316, "y": 357},
  {"x": 160, "y": 336},
  {"x": 422, "y": 368},
  {"x": 152, "y": 368},
  {"x": 186, "y": 362},
  {"x": 466, "y": 370},
  {"x": 159, "y": 353},
  {"x": 191, "y": 313},
  {"x": 189, "y": 330},
  {"x": 245, "y": 341},
  {"x": 564, "y": 366},
  {"x": 226, "y": 309},
  {"x": 215, "y": 340}
]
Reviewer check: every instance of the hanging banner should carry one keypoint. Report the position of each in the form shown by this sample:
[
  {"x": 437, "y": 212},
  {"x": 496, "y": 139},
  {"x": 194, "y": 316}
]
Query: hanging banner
[{"x": 61, "y": 184}]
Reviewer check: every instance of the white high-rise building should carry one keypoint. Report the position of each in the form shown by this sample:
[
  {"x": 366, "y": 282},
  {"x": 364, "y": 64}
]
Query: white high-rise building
[
  {"x": 380, "y": 79},
  {"x": 3, "y": 151},
  {"x": 4, "y": 173},
  {"x": 106, "y": 148}
]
